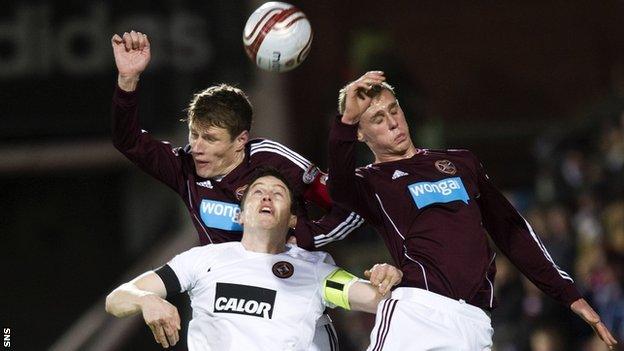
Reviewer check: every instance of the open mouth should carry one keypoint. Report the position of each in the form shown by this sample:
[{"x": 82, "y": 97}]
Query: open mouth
[{"x": 266, "y": 210}]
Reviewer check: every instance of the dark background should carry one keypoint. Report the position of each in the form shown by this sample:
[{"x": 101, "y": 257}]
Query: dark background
[{"x": 535, "y": 88}]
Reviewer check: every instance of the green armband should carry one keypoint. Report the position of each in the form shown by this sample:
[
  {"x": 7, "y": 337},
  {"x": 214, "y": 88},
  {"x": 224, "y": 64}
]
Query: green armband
[{"x": 336, "y": 288}]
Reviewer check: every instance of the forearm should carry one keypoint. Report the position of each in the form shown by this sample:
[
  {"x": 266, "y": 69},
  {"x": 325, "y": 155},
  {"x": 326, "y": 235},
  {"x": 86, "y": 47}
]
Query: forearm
[
  {"x": 363, "y": 296},
  {"x": 342, "y": 180},
  {"x": 126, "y": 300},
  {"x": 521, "y": 244}
]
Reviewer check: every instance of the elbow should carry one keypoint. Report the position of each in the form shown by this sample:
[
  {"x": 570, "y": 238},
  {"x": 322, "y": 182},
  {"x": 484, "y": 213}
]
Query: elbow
[{"x": 111, "y": 306}]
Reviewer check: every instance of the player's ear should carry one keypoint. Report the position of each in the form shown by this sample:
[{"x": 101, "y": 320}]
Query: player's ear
[
  {"x": 241, "y": 140},
  {"x": 239, "y": 216},
  {"x": 360, "y": 136},
  {"x": 292, "y": 221}
]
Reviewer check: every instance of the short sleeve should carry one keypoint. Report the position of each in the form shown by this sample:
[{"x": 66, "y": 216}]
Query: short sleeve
[
  {"x": 185, "y": 266},
  {"x": 325, "y": 267}
]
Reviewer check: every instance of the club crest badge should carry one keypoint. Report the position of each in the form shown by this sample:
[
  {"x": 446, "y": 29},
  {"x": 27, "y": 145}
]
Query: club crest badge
[
  {"x": 446, "y": 166},
  {"x": 240, "y": 191},
  {"x": 283, "y": 269}
]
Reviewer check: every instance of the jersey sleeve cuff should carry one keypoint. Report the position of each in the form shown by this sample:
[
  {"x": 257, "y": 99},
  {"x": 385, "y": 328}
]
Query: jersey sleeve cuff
[
  {"x": 342, "y": 131},
  {"x": 570, "y": 294},
  {"x": 170, "y": 279},
  {"x": 125, "y": 98}
]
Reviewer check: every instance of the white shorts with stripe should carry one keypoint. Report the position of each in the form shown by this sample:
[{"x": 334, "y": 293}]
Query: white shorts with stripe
[
  {"x": 416, "y": 319},
  {"x": 325, "y": 338}
]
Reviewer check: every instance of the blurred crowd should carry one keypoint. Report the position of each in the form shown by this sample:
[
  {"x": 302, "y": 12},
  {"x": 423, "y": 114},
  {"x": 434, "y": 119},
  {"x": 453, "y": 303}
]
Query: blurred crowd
[{"x": 577, "y": 208}]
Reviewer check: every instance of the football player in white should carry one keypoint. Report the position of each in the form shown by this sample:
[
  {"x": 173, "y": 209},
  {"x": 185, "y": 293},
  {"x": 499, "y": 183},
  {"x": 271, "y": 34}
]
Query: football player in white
[{"x": 257, "y": 294}]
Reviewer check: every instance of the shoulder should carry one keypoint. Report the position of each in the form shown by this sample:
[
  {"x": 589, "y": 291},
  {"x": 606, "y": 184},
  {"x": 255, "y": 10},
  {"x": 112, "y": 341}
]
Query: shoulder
[
  {"x": 276, "y": 151},
  {"x": 211, "y": 250},
  {"x": 314, "y": 257},
  {"x": 365, "y": 171}
]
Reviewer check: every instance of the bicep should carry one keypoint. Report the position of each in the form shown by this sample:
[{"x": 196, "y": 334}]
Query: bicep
[{"x": 150, "y": 281}]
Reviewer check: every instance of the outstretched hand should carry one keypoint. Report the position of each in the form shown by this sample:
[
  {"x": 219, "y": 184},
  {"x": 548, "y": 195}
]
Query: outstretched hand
[
  {"x": 356, "y": 99},
  {"x": 384, "y": 277},
  {"x": 585, "y": 311},
  {"x": 132, "y": 54}
]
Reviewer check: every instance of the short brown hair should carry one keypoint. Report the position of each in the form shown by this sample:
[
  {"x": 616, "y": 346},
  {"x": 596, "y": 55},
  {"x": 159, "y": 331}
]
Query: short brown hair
[
  {"x": 221, "y": 106},
  {"x": 372, "y": 92},
  {"x": 268, "y": 171}
]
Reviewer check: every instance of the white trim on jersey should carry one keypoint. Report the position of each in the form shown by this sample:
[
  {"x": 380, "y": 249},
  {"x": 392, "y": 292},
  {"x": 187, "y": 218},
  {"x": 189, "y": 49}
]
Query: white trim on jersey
[
  {"x": 402, "y": 237},
  {"x": 188, "y": 190},
  {"x": 420, "y": 264},
  {"x": 489, "y": 281},
  {"x": 277, "y": 148},
  {"x": 390, "y": 219},
  {"x": 539, "y": 243},
  {"x": 340, "y": 231}
]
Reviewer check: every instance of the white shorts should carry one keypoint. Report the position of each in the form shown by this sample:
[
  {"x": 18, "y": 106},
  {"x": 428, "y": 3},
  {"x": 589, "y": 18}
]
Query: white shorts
[
  {"x": 325, "y": 338},
  {"x": 416, "y": 319}
]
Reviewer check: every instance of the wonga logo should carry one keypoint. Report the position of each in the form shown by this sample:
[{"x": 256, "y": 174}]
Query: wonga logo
[
  {"x": 220, "y": 215},
  {"x": 442, "y": 191}
]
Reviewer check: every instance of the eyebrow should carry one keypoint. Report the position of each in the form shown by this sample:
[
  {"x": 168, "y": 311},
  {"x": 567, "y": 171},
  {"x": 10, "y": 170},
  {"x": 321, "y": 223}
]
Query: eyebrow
[{"x": 262, "y": 183}]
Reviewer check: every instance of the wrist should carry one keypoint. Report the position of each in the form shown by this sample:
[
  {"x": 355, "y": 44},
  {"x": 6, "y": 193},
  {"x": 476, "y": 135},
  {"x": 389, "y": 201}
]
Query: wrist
[
  {"x": 146, "y": 298},
  {"x": 128, "y": 82},
  {"x": 349, "y": 120}
]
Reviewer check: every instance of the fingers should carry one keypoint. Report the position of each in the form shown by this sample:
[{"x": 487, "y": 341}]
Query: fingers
[
  {"x": 132, "y": 40},
  {"x": 165, "y": 332},
  {"x": 384, "y": 277},
  {"x": 585, "y": 311},
  {"x": 159, "y": 334},
  {"x": 171, "y": 332},
  {"x": 605, "y": 335},
  {"x": 360, "y": 87},
  {"x": 116, "y": 39}
]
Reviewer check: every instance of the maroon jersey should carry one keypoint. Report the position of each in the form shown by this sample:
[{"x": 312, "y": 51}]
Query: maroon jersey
[
  {"x": 213, "y": 204},
  {"x": 433, "y": 211}
]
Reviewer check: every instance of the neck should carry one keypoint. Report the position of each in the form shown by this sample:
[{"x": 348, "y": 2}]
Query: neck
[
  {"x": 264, "y": 241},
  {"x": 389, "y": 156}
]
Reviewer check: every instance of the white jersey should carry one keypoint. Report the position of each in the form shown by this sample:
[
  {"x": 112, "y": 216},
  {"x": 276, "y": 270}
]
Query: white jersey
[{"x": 244, "y": 300}]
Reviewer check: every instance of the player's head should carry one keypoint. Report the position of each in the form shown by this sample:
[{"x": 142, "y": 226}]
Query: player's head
[
  {"x": 268, "y": 202},
  {"x": 382, "y": 126},
  {"x": 219, "y": 119}
]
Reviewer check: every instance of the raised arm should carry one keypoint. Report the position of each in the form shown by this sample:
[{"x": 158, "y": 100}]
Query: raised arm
[
  {"x": 146, "y": 294},
  {"x": 157, "y": 158},
  {"x": 132, "y": 55},
  {"x": 345, "y": 186}
]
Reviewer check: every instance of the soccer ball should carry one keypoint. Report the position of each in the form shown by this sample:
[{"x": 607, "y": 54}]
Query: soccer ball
[{"x": 277, "y": 37}]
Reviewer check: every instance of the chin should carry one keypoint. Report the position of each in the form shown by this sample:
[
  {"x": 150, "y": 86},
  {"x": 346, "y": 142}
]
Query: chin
[{"x": 204, "y": 173}]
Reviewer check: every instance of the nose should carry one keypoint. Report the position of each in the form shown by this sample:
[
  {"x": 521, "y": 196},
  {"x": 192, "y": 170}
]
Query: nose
[
  {"x": 266, "y": 197},
  {"x": 197, "y": 146},
  {"x": 392, "y": 122}
]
